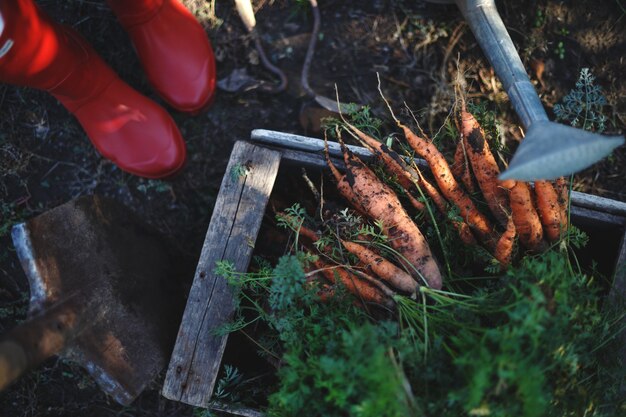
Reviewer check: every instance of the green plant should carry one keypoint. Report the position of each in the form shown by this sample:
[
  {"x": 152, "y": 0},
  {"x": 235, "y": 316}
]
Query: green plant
[
  {"x": 559, "y": 50},
  {"x": 226, "y": 388},
  {"x": 489, "y": 122},
  {"x": 157, "y": 186},
  {"x": 10, "y": 213},
  {"x": 360, "y": 116},
  {"x": 202, "y": 412},
  {"x": 16, "y": 309},
  {"x": 336, "y": 361},
  {"x": 239, "y": 171},
  {"x": 540, "y": 18},
  {"x": 583, "y": 106},
  {"x": 205, "y": 11}
]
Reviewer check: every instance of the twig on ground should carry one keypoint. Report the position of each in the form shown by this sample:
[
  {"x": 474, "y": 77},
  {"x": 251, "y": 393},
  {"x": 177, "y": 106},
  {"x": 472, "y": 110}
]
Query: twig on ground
[
  {"x": 246, "y": 13},
  {"x": 306, "y": 66}
]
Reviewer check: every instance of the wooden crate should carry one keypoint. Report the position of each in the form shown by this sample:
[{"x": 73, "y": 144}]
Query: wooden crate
[{"x": 232, "y": 234}]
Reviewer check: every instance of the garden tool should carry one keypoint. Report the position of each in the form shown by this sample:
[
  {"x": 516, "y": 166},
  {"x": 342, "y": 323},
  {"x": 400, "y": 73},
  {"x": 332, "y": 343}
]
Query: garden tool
[
  {"x": 549, "y": 150},
  {"x": 103, "y": 294},
  {"x": 173, "y": 49},
  {"x": 126, "y": 127}
]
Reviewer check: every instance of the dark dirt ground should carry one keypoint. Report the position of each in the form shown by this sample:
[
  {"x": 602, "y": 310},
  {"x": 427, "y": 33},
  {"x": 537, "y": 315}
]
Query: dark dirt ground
[{"x": 47, "y": 160}]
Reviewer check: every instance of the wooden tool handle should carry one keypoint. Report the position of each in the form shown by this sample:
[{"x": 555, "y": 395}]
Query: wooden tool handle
[{"x": 35, "y": 340}]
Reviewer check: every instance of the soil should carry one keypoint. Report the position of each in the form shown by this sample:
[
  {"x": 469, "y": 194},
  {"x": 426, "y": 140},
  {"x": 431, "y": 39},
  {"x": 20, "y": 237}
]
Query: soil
[{"x": 46, "y": 159}]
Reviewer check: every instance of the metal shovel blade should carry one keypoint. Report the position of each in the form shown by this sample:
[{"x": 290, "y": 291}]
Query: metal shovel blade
[
  {"x": 103, "y": 289},
  {"x": 551, "y": 150}
]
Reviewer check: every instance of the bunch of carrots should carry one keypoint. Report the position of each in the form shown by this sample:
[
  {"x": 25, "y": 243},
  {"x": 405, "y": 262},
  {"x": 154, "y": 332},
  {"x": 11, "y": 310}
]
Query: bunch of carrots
[{"x": 533, "y": 215}]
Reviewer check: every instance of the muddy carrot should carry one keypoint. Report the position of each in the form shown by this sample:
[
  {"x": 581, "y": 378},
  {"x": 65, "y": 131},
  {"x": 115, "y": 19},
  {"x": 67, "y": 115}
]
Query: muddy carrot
[
  {"x": 308, "y": 233},
  {"x": 393, "y": 163},
  {"x": 462, "y": 228},
  {"x": 484, "y": 166},
  {"x": 379, "y": 202},
  {"x": 524, "y": 215},
  {"x": 381, "y": 267},
  {"x": 504, "y": 247},
  {"x": 548, "y": 209},
  {"x": 449, "y": 186},
  {"x": 562, "y": 190},
  {"x": 461, "y": 169},
  {"x": 325, "y": 293},
  {"x": 458, "y": 166},
  {"x": 313, "y": 237},
  {"x": 342, "y": 182},
  {"x": 360, "y": 288}
]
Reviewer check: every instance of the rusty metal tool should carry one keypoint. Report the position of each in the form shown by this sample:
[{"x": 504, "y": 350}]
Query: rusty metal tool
[
  {"x": 549, "y": 150},
  {"x": 103, "y": 293}
]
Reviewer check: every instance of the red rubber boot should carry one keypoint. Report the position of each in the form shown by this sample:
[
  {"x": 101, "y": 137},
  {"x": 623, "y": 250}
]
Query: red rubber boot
[
  {"x": 173, "y": 49},
  {"x": 126, "y": 127}
]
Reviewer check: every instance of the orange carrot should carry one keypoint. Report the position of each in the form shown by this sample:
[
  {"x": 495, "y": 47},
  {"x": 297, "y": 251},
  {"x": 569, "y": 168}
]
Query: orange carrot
[
  {"x": 458, "y": 166},
  {"x": 325, "y": 293},
  {"x": 524, "y": 215},
  {"x": 381, "y": 203},
  {"x": 393, "y": 162},
  {"x": 562, "y": 190},
  {"x": 417, "y": 205},
  {"x": 449, "y": 187},
  {"x": 484, "y": 166},
  {"x": 461, "y": 169},
  {"x": 549, "y": 209},
  {"x": 465, "y": 233},
  {"x": 362, "y": 188},
  {"x": 504, "y": 247},
  {"x": 342, "y": 183},
  {"x": 360, "y": 288},
  {"x": 433, "y": 193},
  {"x": 308, "y": 233},
  {"x": 385, "y": 270}
]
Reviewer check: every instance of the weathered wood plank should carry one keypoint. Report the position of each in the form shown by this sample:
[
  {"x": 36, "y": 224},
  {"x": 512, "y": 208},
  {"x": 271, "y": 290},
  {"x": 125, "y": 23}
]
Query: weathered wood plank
[
  {"x": 302, "y": 143},
  {"x": 234, "y": 226},
  {"x": 596, "y": 217},
  {"x": 233, "y": 410},
  {"x": 599, "y": 203},
  {"x": 309, "y": 160}
]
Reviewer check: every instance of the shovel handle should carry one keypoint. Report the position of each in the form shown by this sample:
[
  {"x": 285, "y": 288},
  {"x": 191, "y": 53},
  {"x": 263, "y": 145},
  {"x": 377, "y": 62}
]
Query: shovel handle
[
  {"x": 488, "y": 28},
  {"x": 35, "y": 340}
]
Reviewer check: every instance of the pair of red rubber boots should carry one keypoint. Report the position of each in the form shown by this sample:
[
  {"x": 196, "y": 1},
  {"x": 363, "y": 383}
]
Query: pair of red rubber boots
[{"x": 126, "y": 127}]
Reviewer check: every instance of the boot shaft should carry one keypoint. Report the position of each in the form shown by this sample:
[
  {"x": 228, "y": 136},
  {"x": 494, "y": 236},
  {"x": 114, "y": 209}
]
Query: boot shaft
[
  {"x": 43, "y": 54},
  {"x": 35, "y": 49},
  {"x": 135, "y": 12}
]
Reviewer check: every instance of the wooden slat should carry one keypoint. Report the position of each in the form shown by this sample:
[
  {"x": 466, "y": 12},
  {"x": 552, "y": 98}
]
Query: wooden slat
[
  {"x": 302, "y": 143},
  {"x": 595, "y": 217},
  {"x": 594, "y": 202},
  {"x": 308, "y": 160},
  {"x": 234, "y": 410},
  {"x": 232, "y": 232}
]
